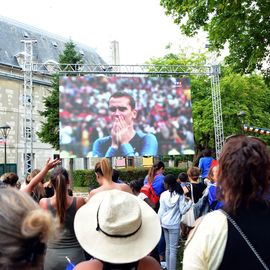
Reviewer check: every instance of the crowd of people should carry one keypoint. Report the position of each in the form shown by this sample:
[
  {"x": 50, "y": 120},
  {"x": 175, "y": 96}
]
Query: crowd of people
[
  {"x": 163, "y": 108},
  {"x": 137, "y": 225}
]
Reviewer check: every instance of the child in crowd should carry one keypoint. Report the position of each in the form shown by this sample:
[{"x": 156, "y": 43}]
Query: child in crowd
[
  {"x": 183, "y": 179},
  {"x": 173, "y": 205},
  {"x": 195, "y": 187}
]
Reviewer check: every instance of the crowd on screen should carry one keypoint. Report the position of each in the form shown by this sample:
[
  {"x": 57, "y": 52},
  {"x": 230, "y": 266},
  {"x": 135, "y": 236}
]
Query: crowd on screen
[{"x": 163, "y": 105}]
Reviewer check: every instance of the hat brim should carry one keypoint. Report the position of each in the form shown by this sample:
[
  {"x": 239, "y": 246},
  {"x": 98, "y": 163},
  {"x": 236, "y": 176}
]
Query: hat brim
[{"x": 113, "y": 249}]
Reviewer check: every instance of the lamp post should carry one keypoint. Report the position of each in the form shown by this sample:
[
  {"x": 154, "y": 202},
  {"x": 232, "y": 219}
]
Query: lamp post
[
  {"x": 241, "y": 116},
  {"x": 5, "y": 129}
]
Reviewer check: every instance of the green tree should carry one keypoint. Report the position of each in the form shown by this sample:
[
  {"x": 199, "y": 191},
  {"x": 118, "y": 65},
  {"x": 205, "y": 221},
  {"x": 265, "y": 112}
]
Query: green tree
[
  {"x": 50, "y": 127},
  {"x": 238, "y": 92},
  {"x": 243, "y": 24}
]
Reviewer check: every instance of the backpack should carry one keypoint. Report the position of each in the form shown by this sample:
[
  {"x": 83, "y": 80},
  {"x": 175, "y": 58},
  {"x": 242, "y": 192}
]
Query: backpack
[{"x": 148, "y": 190}]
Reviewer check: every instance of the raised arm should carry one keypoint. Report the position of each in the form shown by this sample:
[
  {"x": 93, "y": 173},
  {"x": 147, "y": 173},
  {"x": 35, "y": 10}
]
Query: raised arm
[{"x": 49, "y": 165}]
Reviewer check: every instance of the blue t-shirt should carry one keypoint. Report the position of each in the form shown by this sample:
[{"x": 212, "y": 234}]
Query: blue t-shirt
[
  {"x": 142, "y": 144},
  {"x": 212, "y": 197},
  {"x": 204, "y": 165},
  {"x": 157, "y": 184}
]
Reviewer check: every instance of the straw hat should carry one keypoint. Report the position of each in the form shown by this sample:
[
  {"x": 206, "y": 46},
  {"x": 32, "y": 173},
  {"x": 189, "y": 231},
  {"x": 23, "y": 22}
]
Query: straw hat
[{"x": 117, "y": 227}]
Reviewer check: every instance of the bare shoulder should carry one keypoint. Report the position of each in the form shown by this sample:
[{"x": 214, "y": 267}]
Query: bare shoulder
[
  {"x": 27, "y": 189},
  {"x": 43, "y": 203},
  {"x": 94, "y": 191},
  {"x": 125, "y": 187},
  {"x": 89, "y": 265},
  {"x": 149, "y": 263},
  {"x": 80, "y": 202}
]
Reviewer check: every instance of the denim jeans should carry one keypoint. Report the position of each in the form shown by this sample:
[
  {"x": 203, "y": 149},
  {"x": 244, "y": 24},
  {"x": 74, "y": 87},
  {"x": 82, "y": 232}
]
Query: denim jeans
[
  {"x": 161, "y": 245},
  {"x": 171, "y": 239}
]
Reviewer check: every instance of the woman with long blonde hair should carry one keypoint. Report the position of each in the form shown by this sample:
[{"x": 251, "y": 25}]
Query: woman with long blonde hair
[{"x": 103, "y": 172}]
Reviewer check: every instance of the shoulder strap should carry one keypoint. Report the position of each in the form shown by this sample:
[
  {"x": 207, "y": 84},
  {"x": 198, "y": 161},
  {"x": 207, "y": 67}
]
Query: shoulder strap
[
  {"x": 49, "y": 205},
  {"x": 74, "y": 202},
  {"x": 191, "y": 192},
  {"x": 213, "y": 205},
  {"x": 246, "y": 239}
]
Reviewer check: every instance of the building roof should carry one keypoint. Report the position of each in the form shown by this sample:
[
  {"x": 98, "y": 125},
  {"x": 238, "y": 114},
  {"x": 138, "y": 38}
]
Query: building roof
[{"x": 47, "y": 48}]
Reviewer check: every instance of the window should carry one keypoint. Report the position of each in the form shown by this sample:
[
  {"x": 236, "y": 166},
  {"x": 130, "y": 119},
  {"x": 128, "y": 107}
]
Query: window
[
  {"x": 130, "y": 162},
  {"x": 51, "y": 66},
  {"x": 85, "y": 163},
  {"x": 20, "y": 58},
  {"x": 25, "y": 34},
  {"x": 54, "y": 43}
]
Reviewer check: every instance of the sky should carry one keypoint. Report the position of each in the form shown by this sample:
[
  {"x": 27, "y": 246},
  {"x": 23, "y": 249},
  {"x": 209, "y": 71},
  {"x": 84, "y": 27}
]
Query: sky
[{"x": 141, "y": 27}]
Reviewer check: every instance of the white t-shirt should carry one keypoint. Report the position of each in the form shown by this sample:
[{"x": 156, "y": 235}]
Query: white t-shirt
[{"x": 206, "y": 245}]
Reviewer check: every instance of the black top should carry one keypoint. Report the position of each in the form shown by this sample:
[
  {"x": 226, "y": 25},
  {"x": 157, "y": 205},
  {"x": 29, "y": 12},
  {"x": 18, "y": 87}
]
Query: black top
[
  {"x": 255, "y": 224},
  {"x": 126, "y": 266},
  {"x": 198, "y": 189}
]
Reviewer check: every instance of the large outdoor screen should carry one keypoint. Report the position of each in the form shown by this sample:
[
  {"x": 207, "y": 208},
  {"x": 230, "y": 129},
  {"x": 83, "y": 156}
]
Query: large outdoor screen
[{"x": 115, "y": 116}]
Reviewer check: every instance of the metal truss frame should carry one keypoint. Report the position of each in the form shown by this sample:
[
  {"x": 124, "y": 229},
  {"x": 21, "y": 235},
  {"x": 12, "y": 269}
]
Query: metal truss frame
[
  {"x": 28, "y": 105},
  {"x": 212, "y": 71},
  {"x": 77, "y": 69},
  {"x": 217, "y": 110},
  {"x": 163, "y": 70}
]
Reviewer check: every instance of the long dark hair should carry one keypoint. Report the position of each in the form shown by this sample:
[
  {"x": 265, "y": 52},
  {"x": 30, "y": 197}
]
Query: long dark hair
[
  {"x": 244, "y": 172},
  {"x": 172, "y": 185},
  {"x": 60, "y": 180},
  {"x": 152, "y": 171}
]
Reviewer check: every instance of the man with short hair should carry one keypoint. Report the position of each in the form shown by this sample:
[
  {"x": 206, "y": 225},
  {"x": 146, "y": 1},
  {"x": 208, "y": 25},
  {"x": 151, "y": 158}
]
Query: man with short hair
[{"x": 124, "y": 140}]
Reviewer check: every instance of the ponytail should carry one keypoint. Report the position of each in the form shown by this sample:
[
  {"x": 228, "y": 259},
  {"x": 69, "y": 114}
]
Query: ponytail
[
  {"x": 153, "y": 170},
  {"x": 104, "y": 168},
  {"x": 59, "y": 180},
  {"x": 61, "y": 197}
]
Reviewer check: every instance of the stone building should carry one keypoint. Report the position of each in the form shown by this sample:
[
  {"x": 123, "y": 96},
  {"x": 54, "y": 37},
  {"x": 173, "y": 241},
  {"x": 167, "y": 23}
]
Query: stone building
[{"x": 12, "y": 99}]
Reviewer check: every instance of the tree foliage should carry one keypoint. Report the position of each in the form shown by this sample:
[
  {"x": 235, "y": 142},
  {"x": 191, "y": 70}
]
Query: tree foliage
[
  {"x": 238, "y": 92},
  {"x": 50, "y": 127},
  {"x": 243, "y": 24}
]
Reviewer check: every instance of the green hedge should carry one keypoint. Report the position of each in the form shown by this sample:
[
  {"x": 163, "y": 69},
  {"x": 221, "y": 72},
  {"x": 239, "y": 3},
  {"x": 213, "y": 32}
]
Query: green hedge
[{"x": 87, "y": 178}]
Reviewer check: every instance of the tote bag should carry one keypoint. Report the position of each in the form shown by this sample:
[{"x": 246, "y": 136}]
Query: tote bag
[{"x": 188, "y": 218}]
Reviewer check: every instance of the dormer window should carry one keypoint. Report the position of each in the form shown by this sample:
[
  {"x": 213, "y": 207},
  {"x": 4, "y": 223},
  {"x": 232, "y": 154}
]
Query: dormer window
[
  {"x": 81, "y": 52},
  {"x": 20, "y": 56},
  {"x": 54, "y": 43},
  {"x": 51, "y": 66},
  {"x": 25, "y": 34}
]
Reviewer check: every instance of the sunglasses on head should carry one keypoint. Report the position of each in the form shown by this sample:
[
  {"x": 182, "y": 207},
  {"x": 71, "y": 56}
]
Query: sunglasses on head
[
  {"x": 119, "y": 108},
  {"x": 243, "y": 136}
]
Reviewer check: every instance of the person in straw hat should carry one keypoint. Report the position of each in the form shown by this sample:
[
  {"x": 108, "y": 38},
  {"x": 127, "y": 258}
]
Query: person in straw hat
[{"x": 119, "y": 230}]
